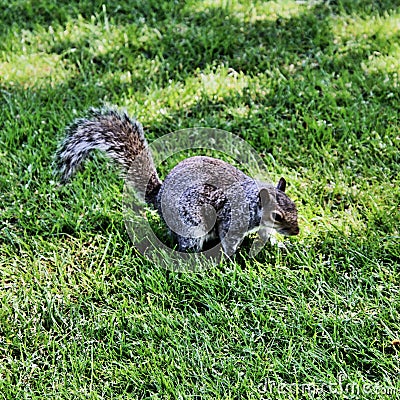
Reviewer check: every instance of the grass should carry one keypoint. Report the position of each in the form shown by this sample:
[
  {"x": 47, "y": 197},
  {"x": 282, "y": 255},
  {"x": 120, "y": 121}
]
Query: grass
[{"x": 312, "y": 86}]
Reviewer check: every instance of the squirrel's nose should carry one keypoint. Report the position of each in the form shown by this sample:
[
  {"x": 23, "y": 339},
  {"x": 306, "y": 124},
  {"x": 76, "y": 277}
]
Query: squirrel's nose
[{"x": 296, "y": 230}]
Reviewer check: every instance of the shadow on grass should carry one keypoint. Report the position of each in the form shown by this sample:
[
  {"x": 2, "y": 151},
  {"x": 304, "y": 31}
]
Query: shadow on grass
[
  {"x": 192, "y": 41},
  {"x": 27, "y": 14},
  {"x": 196, "y": 40},
  {"x": 189, "y": 40}
]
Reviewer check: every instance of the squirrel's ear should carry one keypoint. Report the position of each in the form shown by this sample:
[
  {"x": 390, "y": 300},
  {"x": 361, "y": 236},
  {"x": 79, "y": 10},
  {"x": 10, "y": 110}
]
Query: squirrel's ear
[
  {"x": 281, "y": 185},
  {"x": 264, "y": 197}
]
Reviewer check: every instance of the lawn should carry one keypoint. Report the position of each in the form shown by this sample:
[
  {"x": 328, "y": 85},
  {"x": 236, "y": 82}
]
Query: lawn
[{"x": 314, "y": 88}]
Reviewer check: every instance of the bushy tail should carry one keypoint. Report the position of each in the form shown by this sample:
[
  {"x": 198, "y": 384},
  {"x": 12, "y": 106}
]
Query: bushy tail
[{"x": 120, "y": 137}]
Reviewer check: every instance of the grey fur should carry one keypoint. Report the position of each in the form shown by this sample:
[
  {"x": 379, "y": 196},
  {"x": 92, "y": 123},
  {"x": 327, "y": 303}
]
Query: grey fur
[{"x": 201, "y": 199}]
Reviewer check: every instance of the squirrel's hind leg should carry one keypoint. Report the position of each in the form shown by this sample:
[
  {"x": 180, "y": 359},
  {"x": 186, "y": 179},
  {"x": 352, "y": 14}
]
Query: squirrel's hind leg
[{"x": 191, "y": 245}]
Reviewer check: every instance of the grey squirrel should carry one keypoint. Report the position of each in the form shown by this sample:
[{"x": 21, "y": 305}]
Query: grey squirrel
[{"x": 201, "y": 199}]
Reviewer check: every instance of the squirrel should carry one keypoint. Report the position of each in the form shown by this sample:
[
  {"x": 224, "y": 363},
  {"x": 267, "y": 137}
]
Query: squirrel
[{"x": 201, "y": 199}]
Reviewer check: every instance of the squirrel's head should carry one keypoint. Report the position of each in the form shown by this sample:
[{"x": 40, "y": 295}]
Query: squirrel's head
[{"x": 277, "y": 210}]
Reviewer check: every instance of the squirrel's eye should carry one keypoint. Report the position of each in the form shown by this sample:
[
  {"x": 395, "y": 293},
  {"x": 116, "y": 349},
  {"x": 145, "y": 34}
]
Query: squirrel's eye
[{"x": 277, "y": 217}]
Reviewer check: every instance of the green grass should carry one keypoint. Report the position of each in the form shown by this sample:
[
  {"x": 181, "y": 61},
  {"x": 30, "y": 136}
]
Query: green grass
[{"x": 315, "y": 88}]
